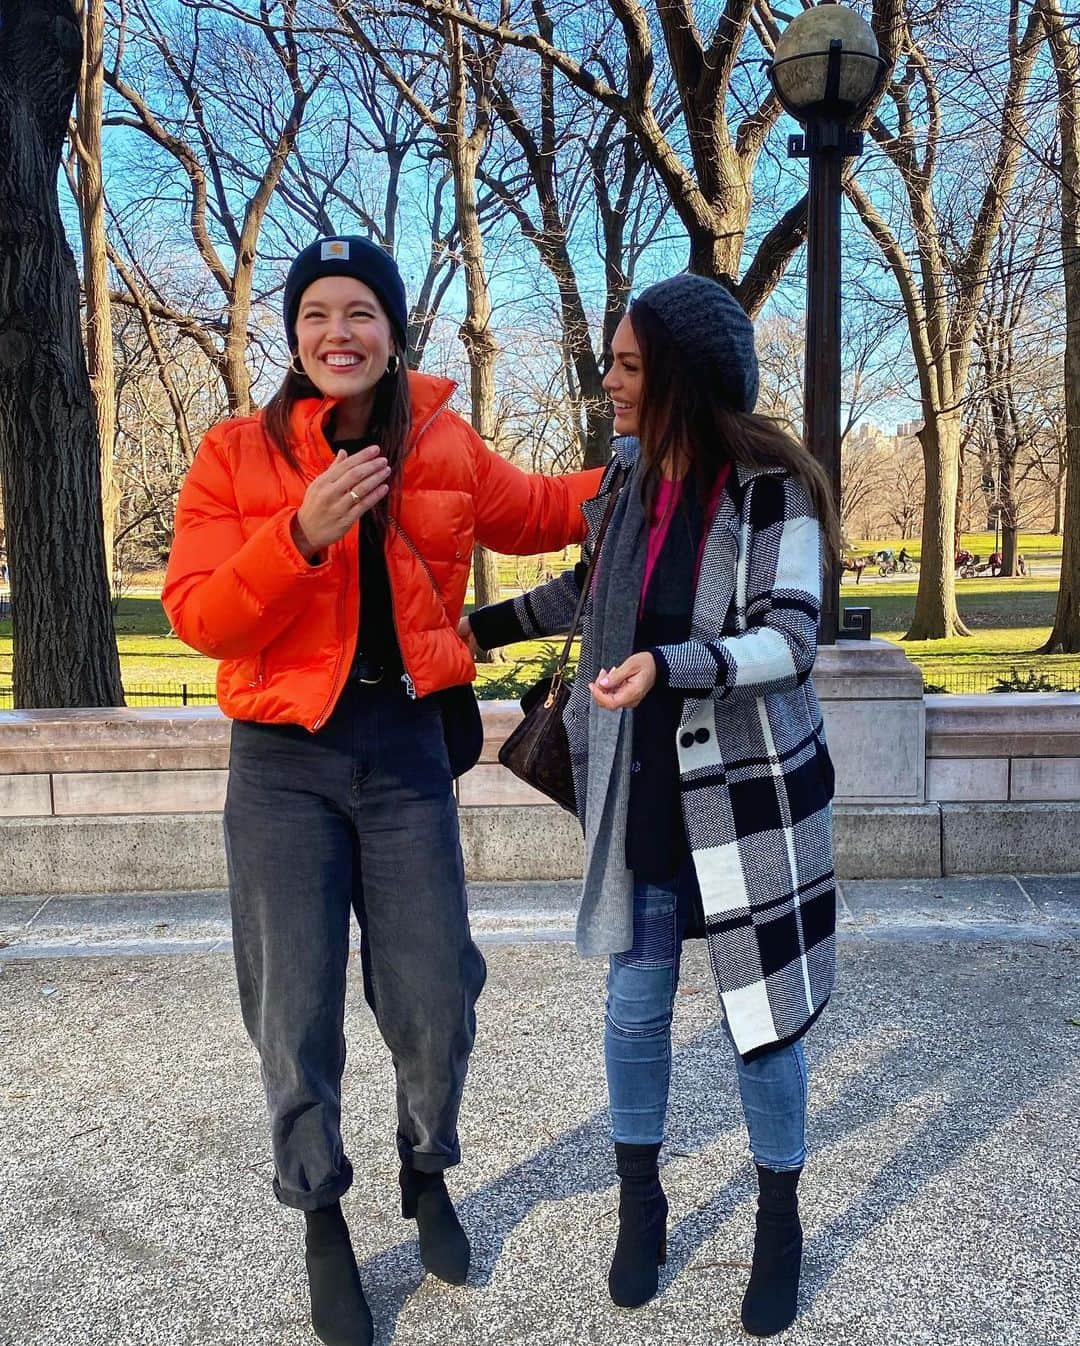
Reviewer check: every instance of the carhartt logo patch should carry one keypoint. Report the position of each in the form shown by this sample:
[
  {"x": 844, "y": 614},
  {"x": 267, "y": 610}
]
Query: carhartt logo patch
[{"x": 335, "y": 250}]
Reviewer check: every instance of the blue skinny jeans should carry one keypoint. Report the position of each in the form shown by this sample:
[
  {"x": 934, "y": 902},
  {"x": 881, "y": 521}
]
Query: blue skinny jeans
[{"x": 637, "y": 1045}]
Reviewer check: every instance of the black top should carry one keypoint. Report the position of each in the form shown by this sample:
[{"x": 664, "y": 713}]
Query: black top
[
  {"x": 377, "y": 641},
  {"x": 656, "y": 845}
]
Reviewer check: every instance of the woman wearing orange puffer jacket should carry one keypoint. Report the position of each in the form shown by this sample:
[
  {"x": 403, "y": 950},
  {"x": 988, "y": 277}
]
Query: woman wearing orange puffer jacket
[{"x": 322, "y": 552}]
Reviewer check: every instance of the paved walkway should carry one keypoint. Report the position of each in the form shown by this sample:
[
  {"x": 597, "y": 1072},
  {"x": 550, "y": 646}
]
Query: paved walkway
[{"x": 940, "y": 1204}]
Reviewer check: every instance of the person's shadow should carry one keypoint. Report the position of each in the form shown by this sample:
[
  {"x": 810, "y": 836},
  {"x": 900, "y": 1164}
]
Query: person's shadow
[{"x": 904, "y": 1067}]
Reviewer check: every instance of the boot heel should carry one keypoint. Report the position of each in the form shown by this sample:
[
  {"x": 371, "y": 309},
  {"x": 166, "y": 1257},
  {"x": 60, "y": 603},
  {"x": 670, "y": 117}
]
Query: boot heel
[{"x": 661, "y": 1255}]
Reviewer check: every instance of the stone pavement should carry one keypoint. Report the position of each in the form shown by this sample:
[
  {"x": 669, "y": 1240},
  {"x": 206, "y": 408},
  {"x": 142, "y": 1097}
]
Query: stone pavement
[{"x": 940, "y": 1203}]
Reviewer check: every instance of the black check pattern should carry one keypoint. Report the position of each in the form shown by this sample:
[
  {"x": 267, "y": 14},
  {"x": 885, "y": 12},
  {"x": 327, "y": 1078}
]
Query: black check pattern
[{"x": 755, "y": 774}]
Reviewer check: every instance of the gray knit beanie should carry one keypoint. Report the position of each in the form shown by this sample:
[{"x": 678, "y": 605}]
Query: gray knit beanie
[{"x": 711, "y": 329}]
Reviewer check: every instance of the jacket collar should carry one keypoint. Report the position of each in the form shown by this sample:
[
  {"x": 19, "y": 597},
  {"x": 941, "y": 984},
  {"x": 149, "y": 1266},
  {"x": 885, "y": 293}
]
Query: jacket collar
[
  {"x": 428, "y": 393},
  {"x": 626, "y": 450}
]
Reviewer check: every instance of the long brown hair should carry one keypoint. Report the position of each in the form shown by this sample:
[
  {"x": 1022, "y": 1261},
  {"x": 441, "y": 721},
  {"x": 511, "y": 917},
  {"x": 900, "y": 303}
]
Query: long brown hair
[
  {"x": 389, "y": 427},
  {"x": 683, "y": 416}
]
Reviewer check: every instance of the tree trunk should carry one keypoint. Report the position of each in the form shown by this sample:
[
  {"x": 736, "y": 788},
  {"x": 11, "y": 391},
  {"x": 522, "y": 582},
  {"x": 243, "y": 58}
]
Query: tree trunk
[
  {"x": 936, "y": 616},
  {"x": 464, "y": 149},
  {"x": 1065, "y": 635},
  {"x": 50, "y": 475},
  {"x": 1009, "y": 520},
  {"x": 91, "y": 199}
]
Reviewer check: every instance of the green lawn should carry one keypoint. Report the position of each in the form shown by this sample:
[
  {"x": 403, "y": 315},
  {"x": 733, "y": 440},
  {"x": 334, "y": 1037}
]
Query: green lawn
[
  {"x": 1034, "y": 546},
  {"x": 1009, "y": 619}
]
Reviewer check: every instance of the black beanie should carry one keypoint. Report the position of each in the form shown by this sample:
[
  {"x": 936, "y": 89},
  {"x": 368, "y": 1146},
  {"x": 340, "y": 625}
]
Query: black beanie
[
  {"x": 711, "y": 329},
  {"x": 353, "y": 256}
]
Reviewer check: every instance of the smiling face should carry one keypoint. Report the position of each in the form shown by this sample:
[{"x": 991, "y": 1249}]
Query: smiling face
[
  {"x": 344, "y": 339},
  {"x": 624, "y": 380}
]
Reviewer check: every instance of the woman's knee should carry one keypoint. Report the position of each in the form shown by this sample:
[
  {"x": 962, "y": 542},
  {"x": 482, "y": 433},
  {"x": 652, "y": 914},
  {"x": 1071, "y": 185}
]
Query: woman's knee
[{"x": 639, "y": 998}]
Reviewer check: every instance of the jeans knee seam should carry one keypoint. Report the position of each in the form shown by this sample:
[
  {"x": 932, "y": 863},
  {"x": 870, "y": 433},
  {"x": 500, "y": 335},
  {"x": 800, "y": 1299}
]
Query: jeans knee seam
[{"x": 653, "y": 1030}]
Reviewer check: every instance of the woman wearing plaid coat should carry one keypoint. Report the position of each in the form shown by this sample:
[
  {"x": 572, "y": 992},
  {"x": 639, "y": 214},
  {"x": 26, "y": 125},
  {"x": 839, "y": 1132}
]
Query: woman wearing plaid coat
[{"x": 702, "y": 777}]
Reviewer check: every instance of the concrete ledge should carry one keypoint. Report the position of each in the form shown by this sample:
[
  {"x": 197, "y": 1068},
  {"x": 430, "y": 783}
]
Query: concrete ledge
[
  {"x": 1014, "y": 837},
  {"x": 1008, "y": 724},
  {"x": 140, "y": 852},
  {"x": 152, "y": 739},
  {"x": 520, "y": 841},
  {"x": 899, "y": 841},
  {"x": 176, "y": 852}
]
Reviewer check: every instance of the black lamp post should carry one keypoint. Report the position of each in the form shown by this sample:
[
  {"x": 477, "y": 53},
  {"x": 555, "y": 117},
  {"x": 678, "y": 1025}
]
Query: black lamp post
[{"x": 825, "y": 71}]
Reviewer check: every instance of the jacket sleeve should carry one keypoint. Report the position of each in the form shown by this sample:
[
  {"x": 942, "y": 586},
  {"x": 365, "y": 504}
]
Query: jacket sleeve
[
  {"x": 226, "y": 596},
  {"x": 546, "y": 610},
  {"x": 783, "y": 606},
  {"x": 521, "y": 513}
]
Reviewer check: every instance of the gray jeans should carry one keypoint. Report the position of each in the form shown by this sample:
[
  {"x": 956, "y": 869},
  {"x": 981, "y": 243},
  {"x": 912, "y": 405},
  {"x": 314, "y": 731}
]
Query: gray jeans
[{"x": 358, "y": 817}]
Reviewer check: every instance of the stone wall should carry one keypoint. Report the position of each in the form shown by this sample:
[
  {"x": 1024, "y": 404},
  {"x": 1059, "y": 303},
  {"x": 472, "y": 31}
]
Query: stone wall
[{"x": 99, "y": 801}]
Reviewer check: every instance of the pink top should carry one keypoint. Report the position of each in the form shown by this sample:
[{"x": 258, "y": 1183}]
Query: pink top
[{"x": 668, "y": 494}]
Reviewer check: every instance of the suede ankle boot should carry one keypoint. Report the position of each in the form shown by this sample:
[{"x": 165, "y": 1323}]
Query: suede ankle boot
[
  {"x": 444, "y": 1245},
  {"x": 642, "y": 1244},
  {"x": 339, "y": 1311},
  {"x": 770, "y": 1302}
]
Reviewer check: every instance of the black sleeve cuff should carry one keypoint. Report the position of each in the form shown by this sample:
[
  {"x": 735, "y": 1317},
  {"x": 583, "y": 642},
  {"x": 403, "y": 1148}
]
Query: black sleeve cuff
[{"x": 496, "y": 625}]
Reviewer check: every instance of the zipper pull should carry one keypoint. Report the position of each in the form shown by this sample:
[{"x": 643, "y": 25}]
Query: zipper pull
[{"x": 410, "y": 688}]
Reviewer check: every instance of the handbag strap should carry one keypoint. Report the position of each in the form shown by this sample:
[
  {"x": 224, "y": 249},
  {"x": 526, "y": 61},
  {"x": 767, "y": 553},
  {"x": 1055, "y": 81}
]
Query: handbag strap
[{"x": 586, "y": 584}]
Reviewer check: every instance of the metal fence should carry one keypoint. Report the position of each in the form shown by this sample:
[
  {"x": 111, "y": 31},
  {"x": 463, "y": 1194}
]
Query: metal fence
[
  {"x": 1018, "y": 678},
  {"x": 1006, "y": 678}
]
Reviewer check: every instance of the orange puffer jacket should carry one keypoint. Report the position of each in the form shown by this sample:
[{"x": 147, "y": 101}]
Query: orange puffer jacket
[{"x": 238, "y": 590}]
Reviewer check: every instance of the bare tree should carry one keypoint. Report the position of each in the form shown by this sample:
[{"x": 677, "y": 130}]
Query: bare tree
[
  {"x": 355, "y": 165},
  {"x": 1065, "y": 635},
  {"x": 50, "y": 474},
  {"x": 85, "y": 174},
  {"x": 463, "y": 126},
  {"x": 1006, "y": 372},
  {"x": 226, "y": 198},
  {"x": 707, "y": 170},
  {"x": 574, "y": 155},
  {"x": 943, "y": 285}
]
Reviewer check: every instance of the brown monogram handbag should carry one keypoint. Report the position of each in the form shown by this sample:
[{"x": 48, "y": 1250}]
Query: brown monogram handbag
[{"x": 538, "y": 751}]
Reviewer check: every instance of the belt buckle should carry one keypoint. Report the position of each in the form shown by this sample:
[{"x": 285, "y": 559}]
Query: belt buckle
[{"x": 368, "y": 666}]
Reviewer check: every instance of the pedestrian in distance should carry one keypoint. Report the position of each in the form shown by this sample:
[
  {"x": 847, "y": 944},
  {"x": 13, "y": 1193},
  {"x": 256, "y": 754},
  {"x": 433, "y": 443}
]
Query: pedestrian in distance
[
  {"x": 322, "y": 552},
  {"x": 702, "y": 778}
]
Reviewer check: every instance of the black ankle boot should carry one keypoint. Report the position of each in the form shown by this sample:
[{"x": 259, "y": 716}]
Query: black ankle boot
[
  {"x": 642, "y": 1245},
  {"x": 770, "y": 1302},
  {"x": 339, "y": 1311},
  {"x": 444, "y": 1245}
]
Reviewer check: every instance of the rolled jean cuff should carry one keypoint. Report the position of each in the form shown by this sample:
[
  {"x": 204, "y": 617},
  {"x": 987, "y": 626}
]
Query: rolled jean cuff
[
  {"x": 424, "y": 1162},
  {"x": 322, "y": 1196},
  {"x": 792, "y": 1167}
]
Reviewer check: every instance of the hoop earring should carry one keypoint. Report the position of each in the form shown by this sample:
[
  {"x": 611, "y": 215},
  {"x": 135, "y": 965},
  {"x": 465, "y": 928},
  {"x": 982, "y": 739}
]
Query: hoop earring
[
  {"x": 300, "y": 373},
  {"x": 393, "y": 365}
]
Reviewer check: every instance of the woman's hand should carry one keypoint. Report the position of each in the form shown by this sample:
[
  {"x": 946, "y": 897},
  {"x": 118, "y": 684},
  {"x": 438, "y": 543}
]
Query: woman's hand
[
  {"x": 465, "y": 631},
  {"x": 334, "y": 501},
  {"x": 626, "y": 686}
]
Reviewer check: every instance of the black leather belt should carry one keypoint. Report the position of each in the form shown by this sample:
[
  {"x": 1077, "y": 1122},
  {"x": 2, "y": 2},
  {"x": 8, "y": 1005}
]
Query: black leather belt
[{"x": 367, "y": 672}]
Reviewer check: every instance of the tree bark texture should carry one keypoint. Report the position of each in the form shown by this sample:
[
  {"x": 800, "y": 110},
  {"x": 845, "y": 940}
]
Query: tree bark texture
[
  {"x": 464, "y": 146},
  {"x": 65, "y": 649},
  {"x": 1065, "y": 635},
  {"x": 935, "y": 616}
]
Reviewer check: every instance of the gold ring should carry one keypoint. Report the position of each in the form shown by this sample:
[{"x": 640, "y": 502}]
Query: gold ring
[{"x": 354, "y": 495}]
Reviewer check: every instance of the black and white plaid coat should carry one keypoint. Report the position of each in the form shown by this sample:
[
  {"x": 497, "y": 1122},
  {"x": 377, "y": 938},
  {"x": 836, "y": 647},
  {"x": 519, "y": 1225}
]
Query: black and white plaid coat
[{"x": 755, "y": 774}]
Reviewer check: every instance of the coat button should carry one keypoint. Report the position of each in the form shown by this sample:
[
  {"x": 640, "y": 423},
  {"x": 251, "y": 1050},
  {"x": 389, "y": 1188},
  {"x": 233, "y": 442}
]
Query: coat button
[
  {"x": 686, "y": 740},
  {"x": 702, "y": 736}
]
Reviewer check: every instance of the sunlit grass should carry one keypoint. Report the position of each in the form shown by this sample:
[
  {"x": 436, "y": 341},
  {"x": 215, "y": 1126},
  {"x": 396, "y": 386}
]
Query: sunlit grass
[{"x": 1009, "y": 619}]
